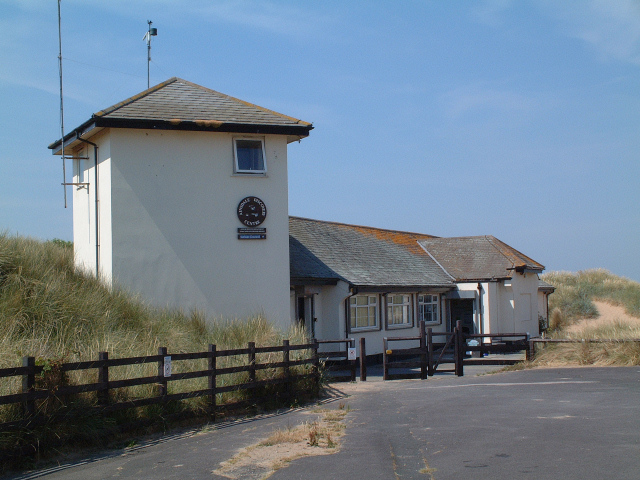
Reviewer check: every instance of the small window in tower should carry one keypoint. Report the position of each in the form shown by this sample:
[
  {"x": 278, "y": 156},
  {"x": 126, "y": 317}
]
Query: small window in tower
[{"x": 249, "y": 155}]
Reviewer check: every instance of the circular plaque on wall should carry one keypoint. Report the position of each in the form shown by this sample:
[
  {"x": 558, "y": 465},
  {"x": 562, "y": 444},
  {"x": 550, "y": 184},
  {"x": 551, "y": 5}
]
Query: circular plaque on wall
[{"x": 251, "y": 211}]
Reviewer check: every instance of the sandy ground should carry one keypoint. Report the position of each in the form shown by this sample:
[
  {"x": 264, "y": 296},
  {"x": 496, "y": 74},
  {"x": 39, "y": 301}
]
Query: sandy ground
[{"x": 607, "y": 314}]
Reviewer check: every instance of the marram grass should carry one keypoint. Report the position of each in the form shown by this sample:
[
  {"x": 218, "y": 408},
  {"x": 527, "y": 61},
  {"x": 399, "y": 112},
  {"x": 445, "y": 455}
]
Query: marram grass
[
  {"x": 574, "y": 316},
  {"x": 52, "y": 311}
]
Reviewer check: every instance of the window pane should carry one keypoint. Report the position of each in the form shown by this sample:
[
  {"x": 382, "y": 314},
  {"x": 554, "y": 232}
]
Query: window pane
[{"x": 249, "y": 155}]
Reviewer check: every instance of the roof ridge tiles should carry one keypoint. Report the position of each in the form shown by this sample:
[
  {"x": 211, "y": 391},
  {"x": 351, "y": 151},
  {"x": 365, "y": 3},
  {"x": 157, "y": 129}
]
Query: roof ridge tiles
[{"x": 426, "y": 235}]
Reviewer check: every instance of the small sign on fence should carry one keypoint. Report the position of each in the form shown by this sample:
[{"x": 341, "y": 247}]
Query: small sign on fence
[
  {"x": 167, "y": 366},
  {"x": 351, "y": 353}
]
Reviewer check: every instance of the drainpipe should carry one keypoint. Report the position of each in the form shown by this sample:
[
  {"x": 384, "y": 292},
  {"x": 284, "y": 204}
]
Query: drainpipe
[
  {"x": 480, "y": 309},
  {"x": 352, "y": 292},
  {"x": 97, "y": 201}
]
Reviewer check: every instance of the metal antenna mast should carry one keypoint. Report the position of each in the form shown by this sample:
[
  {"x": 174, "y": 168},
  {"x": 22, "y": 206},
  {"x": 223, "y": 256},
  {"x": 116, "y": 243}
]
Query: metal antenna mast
[
  {"x": 64, "y": 169},
  {"x": 152, "y": 32}
]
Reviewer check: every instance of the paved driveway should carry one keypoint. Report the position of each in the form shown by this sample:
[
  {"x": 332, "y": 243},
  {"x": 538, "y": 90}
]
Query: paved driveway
[{"x": 564, "y": 424}]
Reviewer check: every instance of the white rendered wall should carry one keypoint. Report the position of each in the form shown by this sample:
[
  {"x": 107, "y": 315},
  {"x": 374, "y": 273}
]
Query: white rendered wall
[
  {"x": 173, "y": 205},
  {"x": 518, "y": 308},
  {"x": 84, "y": 208},
  {"x": 332, "y": 318}
]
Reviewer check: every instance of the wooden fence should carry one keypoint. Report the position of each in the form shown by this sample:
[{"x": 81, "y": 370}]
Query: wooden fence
[
  {"x": 31, "y": 397},
  {"x": 533, "y": 342},
  {"x": 429, "y": 355},
  {"x": 338, "y": 360}
]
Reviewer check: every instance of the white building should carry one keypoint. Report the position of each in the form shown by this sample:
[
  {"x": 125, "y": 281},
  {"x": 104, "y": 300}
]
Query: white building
[
  {"x": 351, "y": 281},
  {"x": 159, "y": 179},
  {"x": 180, "y": 195}
]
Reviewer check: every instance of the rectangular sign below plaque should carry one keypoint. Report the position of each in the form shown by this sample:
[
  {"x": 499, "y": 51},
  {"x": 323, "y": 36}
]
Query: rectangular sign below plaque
[
  {"x": 252, "y": 233},
  {"x": 252, "y": 236}
]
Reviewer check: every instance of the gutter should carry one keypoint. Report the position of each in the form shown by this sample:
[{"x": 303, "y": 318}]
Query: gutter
[{"x": 300, "y": 131}]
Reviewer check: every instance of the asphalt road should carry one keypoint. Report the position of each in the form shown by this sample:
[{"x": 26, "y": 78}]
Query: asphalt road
[{"x": 569, "y": 423}]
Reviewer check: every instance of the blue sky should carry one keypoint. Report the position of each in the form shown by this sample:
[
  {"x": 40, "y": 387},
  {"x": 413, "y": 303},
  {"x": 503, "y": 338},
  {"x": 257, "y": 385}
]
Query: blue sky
[{"x": 518, "y": 119}]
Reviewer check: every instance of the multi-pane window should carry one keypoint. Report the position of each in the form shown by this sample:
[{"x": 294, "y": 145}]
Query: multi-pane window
[
  {"x": 249, "y": 155},
  {"x": 398, "y": 309},
  {"x": 428, "y": 308},
  {"x": 363, "y": 311}
]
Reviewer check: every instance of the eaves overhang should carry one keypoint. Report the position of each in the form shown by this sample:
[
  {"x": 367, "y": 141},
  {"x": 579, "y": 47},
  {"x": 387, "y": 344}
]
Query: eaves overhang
[
  {"x": 313, "y": 281},
  {"x": 293, "y": 132},
  {"x": 439, "y": 288}
]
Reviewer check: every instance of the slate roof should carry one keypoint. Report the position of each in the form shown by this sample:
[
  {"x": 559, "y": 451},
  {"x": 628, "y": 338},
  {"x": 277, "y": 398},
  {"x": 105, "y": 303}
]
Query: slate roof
[
  {"x": 177, "y": 104},
  {"x": 478, "y": 258},
  {"x": 545, "y": 287},
  {"x": 361, "y": 256}
]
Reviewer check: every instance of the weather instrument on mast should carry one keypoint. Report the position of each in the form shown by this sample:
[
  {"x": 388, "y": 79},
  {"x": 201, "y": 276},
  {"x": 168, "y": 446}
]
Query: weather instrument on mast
[{"x": 152, "y": 32}]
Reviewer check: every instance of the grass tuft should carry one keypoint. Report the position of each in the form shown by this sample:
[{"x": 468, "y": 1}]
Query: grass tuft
[
  {"x": 56, "y": 313},
  {"x": 574, "y": 315}
]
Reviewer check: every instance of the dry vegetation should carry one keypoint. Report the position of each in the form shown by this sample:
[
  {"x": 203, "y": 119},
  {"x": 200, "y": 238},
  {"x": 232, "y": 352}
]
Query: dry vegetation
[
  {"x": 57, "y": 314},
  {"x": 592, "y": 305},
  {"x": 260, "y": 461}
]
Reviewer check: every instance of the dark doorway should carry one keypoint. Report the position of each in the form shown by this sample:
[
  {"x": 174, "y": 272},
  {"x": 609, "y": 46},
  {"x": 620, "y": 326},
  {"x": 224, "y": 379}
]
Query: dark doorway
[
  {"x": 306, "y": 314},
  {"x": 462, "y": 309}
]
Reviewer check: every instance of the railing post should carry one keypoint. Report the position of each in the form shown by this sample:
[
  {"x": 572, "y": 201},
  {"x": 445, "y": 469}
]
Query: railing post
[
  {"x": 352, "y": 363},
  {"x": 162, "y": 382},
  {"x": 211, "y": 361},
  {"x": 287, "y": 374},
  {"x": 430, "y": 371},
  {"x": 423, "y": 354},
  {"x": 531, "y": 351},
  {"x": 103, "y": 377},
  {"x": 252, "y": 368},
  {"x": 363, "y": 361},
  {"x": 28, "y": 383},
  {"x": 459, "y": 349},
  {"x": 385, "y": 360},
  {"x": 316, "y": 365}
]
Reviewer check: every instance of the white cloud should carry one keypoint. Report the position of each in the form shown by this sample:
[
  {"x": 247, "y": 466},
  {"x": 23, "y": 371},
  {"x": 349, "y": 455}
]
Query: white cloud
[
  {"x": 490, "y": 12},
  {"x": 472, "y": 98},
  {"x": 612, "y": 28}
]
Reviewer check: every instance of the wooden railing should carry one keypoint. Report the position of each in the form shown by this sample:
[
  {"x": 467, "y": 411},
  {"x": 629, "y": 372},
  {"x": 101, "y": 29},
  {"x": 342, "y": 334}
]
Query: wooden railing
[
  {"x": 531, "y": 351},
  {"x": 31, "y": 396},
  {"x": 429, "y": 355},
  {"x": 338, "y": 360}
]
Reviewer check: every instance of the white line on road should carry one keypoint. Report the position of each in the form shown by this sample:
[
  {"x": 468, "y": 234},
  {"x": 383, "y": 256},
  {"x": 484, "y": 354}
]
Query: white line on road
[{"x": 501, "y": 384}]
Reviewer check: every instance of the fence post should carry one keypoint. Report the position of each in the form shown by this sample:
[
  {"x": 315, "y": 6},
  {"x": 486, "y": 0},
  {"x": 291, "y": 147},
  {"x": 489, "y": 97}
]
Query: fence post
[
  {"x": 352, "y": 363},
  {"x": 459, "y": 349},
  {"x": 212, "y": 381},
  {"x": 287, "y": 373},
  {"x": 430, "y": 352},
  {"x": 252, "y": 369},
  {"x": 423, "y": 354},
  {"x": 316, "y": 364},
  {"x": 363, "y": 361},
  {"x": 28, "y": 382},
  {"x": 162, "y": 382},
  {"x": 385, "y": 360},
  {"x": 103, "y": 377},
  {"x": 531, "y": 351}
]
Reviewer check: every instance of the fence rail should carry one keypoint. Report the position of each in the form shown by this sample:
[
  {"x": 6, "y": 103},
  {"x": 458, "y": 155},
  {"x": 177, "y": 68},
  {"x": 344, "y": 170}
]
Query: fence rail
[
  {"x": 429, "y": 355},
  {"x": 31, "y": 395},
  {"x": 531, "y": 351},
  {"x": 338, "y": 360}
]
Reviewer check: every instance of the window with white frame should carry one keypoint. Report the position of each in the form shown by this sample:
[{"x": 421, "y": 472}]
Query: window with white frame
[
  {"x": 398, "y": 310},
  {"x": 428, "y": 308},
  {"x": 250, "y": 157},
  {"x": 363, "y": 311}
]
